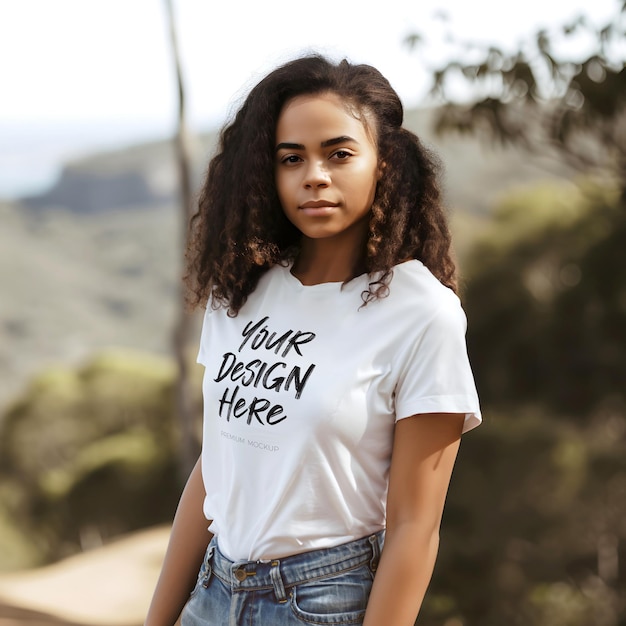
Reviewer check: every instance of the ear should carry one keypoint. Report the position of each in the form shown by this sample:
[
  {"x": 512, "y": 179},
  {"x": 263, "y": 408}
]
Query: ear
[{"x": 381, "y": 170}]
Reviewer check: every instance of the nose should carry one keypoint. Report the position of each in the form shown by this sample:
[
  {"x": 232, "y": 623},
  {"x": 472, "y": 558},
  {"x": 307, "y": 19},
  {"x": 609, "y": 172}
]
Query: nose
[{"x": 316, "y": 175}]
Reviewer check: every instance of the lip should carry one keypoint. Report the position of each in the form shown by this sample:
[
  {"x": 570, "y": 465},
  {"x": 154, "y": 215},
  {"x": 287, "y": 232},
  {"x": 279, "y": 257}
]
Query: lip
[
  {"x": 318, "y": 208},
  {"x": 318, "y": 204}
]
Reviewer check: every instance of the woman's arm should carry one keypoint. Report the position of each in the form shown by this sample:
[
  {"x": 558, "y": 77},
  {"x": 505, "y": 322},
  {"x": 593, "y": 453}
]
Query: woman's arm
[
  {"x": 424, "y": 451},
  {"x": 188, "y": 542}
]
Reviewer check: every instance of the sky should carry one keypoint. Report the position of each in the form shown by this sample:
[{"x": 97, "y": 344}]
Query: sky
[{"x": 77, "y": 76}]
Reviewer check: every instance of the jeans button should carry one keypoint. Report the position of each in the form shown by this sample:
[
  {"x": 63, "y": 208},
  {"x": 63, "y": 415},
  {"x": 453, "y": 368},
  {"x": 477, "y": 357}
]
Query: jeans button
[{"x": 240, "y": 574}]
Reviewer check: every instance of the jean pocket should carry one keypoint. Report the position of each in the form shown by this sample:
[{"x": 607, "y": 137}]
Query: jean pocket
[
  {"x": 337, "y": 599},
  {"x": 205, "y": 571}
]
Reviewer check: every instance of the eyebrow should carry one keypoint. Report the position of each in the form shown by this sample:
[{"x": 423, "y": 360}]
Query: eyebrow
[{"x": 324, "y": 144}]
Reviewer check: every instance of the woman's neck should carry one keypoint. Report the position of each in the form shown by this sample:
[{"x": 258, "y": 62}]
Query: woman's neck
[{"x": 324, "y": 261}]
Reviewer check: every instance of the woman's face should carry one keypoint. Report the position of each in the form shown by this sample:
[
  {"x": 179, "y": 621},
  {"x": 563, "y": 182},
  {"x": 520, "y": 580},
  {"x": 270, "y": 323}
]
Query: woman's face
[{"x": 326, "y": 168}]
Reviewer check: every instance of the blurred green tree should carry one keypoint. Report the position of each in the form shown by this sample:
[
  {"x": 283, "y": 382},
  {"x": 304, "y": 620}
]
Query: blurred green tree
[
  {"x": 567, "y": 103},
  {"x": 535, "y": 524},
  {"x": 535, "y": 520},
  {"x": 546, "y": 300},
  {"x": 89, "y": 454}
]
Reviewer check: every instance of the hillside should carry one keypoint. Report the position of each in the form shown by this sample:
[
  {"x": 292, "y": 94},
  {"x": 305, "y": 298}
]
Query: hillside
[
  {"x": 144, "y": 175},
  {"x": 93, "y": 262}
]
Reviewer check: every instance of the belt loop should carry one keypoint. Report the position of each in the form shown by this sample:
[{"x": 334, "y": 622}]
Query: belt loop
[
  {"x": 208, "y": 570},
  {"x": 277, "y": 581},
  {"x": 373, "y": 539}
]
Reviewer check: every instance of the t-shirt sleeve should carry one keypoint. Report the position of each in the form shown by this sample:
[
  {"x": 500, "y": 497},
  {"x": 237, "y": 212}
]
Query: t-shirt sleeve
[{"x": 435, "y": 373}]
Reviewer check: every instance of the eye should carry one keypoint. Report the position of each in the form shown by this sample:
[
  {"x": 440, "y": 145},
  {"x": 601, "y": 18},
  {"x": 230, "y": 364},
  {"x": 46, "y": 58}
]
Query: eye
[
  {"x": 290, "y": 159},
  {"x": 341, "y": 155}
]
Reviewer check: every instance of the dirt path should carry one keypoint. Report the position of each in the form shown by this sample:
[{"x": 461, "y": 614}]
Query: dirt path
[
  {"x": 16, "y": 616},
  {"x": 109, "y": 586}
]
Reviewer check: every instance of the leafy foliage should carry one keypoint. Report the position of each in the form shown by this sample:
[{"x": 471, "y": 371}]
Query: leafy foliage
[
  {"x": 536, "y": 515},
  {"x": 524, "y": 518},
  {"x": 570, "y": 104},
  {"x": 88, "y": 454},
  {"x": 534, "y": 532},
  {"x": 546, "y": 301}
]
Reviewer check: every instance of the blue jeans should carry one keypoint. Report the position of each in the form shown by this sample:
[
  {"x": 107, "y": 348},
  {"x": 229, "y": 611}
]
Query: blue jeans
[{"x": 329, "y": 586}]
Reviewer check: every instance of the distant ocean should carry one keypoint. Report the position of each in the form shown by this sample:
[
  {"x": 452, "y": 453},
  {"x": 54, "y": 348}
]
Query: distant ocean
[{"x": 32, "y": 156}]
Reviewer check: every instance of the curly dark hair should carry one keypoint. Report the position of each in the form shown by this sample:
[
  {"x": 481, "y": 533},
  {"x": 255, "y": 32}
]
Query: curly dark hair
[{"x": 240, "y": 230}]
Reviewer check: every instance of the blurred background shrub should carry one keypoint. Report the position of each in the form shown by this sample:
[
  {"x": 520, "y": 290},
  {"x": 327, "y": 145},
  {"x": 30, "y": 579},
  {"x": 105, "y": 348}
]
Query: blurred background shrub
[{"x": 87, "y": 454}]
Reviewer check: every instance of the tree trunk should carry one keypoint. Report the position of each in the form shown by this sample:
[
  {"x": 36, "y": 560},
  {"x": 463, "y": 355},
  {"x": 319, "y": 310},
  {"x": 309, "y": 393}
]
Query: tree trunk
[{"x": 189, "y": 447}]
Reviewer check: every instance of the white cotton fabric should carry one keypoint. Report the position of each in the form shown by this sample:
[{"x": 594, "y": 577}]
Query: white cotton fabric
[{"x": 301, "y": 393}]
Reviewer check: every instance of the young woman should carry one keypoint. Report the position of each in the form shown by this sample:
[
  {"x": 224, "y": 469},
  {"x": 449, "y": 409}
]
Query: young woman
[{"x": 337, "y": 383}]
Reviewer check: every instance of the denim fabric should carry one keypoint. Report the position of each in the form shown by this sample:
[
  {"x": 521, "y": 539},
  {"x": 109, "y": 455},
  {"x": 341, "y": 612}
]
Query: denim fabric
[{"x": 329, "y": 586}]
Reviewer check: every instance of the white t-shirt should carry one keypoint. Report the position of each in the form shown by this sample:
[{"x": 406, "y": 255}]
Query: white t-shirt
[{"x": 301, "y": 393}]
